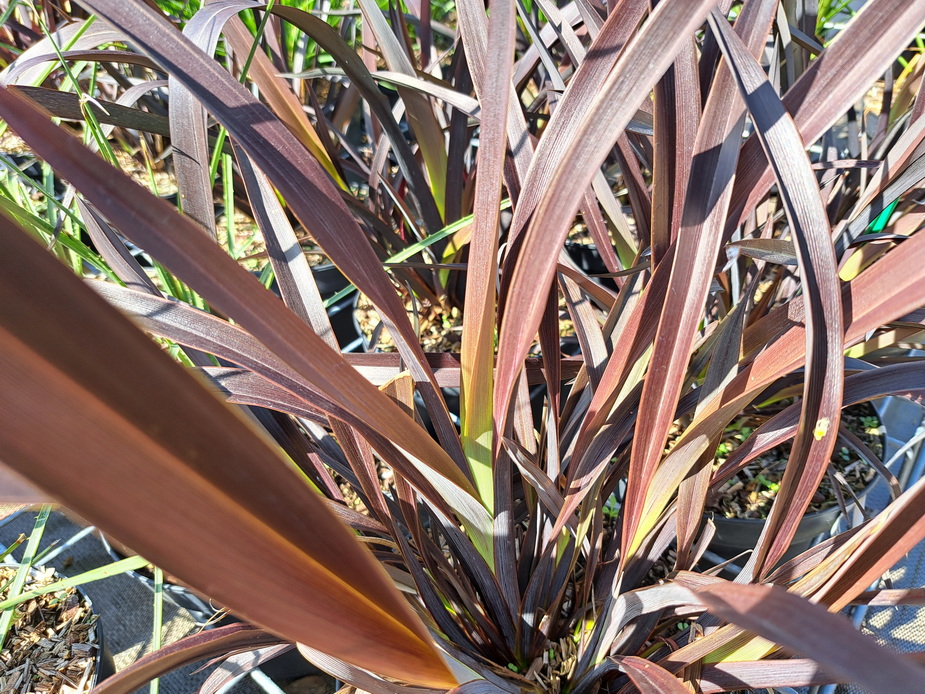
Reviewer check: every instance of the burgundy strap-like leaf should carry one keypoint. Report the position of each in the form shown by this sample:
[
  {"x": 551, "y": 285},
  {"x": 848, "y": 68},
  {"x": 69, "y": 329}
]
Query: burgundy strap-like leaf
[
  {"x": 576, "y": 102},
  {"x": 676, "y": 109},
  {"x": 240, "y": 664},
  {"x": 66, "y": 105},
  {"x": 136, "y": 437},
  {"x": 293, "y": 274},
  {"x": 799, "y": 624},
  {"x": 121, "y": 57},
  {"x": 208, "y": 644},
  {"x": 15, "y": 489},
  {"x": 188, "y": 129},
  {"x": 113, "y": 250},
  {"x": 530, "y": 272},
  {"x": 26, "y": 72},
  {"x": 832, "y": 83},
  {"x": 811, "y": 235},
  {"x": 478, "y": 336},
  {"x": 650, "y": 678},
  {"x": 420, "y": 113},
  {"x": 712, "y": 170},
  {"x": 247, "y": 388},
  {"x": 278, "y": 94},
  {"x": 764, "y": 674},
  {"x": 473, "y": 26}
]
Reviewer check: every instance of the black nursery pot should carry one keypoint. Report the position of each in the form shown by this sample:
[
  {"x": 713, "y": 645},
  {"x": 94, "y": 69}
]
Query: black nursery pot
[
  {"x": 288, "y": 667},
  {"x": 734, "y": 536},
  {"x": 330, "y": 280},
  {"x": 104, "y": 666},
  {"x": 588, "y": 260},
  {"x": 737, "y": 535}
]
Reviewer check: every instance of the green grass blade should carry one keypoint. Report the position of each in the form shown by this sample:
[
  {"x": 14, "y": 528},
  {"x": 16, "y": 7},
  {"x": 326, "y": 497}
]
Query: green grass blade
[
  {"x": 130, "y": 564},
  {"x": 416, "y": 248},
  {"x": 15, "y": 591},
  {"x": 13, "y": 547}
]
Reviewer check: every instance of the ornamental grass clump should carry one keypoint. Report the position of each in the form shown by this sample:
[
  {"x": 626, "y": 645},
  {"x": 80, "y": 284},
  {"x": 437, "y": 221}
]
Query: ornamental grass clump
[{"x": 542, "y": 537}]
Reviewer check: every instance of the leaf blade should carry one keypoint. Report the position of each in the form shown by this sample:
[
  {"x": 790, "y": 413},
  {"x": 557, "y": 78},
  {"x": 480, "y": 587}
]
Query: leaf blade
[
  {"x": 182, "y": 442},
  {"x": 795, "y": 622}
]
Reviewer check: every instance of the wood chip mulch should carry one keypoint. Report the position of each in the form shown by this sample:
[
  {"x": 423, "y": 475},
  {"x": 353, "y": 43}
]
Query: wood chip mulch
[{"x": 51, "y": 647}]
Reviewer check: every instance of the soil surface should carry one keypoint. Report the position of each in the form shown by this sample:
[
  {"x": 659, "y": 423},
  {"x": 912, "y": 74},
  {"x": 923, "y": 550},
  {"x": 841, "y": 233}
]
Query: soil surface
[
  {"x": 51, "y": 647},
  {"x": 750, "y": 493}
]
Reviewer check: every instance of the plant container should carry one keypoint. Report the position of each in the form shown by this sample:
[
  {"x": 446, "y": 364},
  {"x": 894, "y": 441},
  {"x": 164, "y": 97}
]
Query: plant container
[
  {"x": 589, "y": 261},
  {"x": 52, "y": 638},
  {"x": 736, "y": 536},
  {"x": 330, "y": 280}
]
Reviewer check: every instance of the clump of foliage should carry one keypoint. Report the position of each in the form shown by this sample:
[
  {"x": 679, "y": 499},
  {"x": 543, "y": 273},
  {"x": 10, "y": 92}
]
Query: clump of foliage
[{"x": 758, "y": 241}]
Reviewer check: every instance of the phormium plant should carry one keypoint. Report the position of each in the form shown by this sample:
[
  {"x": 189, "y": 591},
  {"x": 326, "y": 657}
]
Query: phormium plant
[{"x": 756, "y": 240}]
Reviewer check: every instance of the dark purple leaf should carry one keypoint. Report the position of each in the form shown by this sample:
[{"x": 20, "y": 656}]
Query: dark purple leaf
[{"x": 797, "y": 623}]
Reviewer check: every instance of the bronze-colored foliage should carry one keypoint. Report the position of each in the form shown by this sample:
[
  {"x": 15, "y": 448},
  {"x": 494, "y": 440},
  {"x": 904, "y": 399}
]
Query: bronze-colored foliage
[{"x": 544, "y": 531}]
